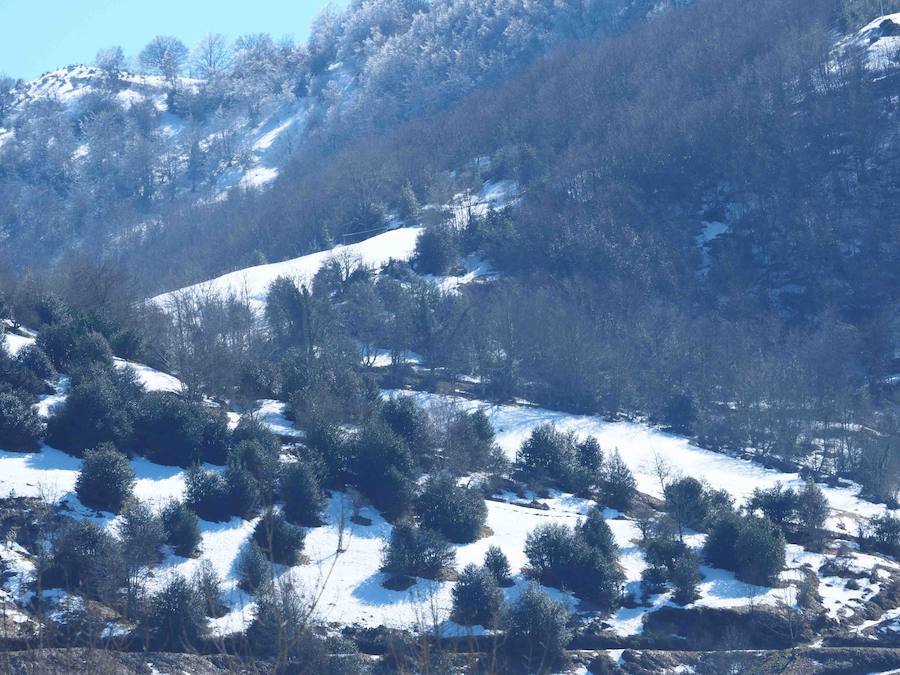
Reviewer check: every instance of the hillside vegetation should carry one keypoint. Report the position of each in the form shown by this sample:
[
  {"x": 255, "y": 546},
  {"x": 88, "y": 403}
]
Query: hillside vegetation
[{"x": 476, "y": 336}]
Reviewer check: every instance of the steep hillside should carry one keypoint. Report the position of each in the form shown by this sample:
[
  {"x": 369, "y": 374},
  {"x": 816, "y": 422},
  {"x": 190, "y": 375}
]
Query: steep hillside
[
  {"x": 470, "y": 336},
  {"x": 93, "y": 157},
  {"x": 239, "y": 148}
]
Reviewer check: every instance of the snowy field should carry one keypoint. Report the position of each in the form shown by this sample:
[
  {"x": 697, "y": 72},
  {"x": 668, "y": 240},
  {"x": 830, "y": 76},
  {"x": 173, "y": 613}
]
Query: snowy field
[
  {"x": 640, "y": 445},
  {"x": 341, "y": 572},
  {"x": 253, "y": 283}
]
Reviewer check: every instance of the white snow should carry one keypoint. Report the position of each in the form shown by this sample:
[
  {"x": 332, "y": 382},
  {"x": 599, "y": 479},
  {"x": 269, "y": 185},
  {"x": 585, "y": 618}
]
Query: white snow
[
  {"x": 493, "y": 194},
  {"x": 640, "y": 445},
  {"x": 343, "y": 557},
  {"x": 47, "y": 404},
  {"x": 259, "y": 176},
  {"x": 53, "y": 473},
  {"x": 15, "y": 343},
  {"x": 882, "y": 52},
  {"x": 254, "y": 282},
  {"x": 475, "y": 268},
  {"x": 152, "y": 379},
  {"x": 272, "y": 414}
]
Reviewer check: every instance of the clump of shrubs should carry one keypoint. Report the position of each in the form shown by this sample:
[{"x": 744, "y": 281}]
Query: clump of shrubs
[
  {"x": 752, "y": 547},
  {"x": 175, "y": 619},
  {"x": 142, "y": 535},
  {"x": 458, "y": 513},
  {"x": 410, "y": 422},
  {"x": 174, "y": 431},
  {"x": 802, "y": 511},
  {"x": 33, "y": 359},
  {"x": 537, "y": 631},
  {"x": 550, "y": 454},
  {"x": 882, "y": 534},
  {"x": 437, "y": 249},
  {"x": 496, "y": 562},
  {"x": 106, "y": 479},
  {"x": 670, "y": 561},
  {"x": 583, "y": 559},
  {"x": 20, "y": 427},
  {"x": 206, "y": 492},
  {"x": 578, "y": 466},
  {"x": 182, "y": 528},
  {"x": 86, "y": 559},
  {"x": 209, "y": 589},
  {"x": 383, "y": 469},
  {"x": 476, "y": 597},
  {"x": 414, "y": 551},
  {"x": 253, "y": 568},
  {"x": 25, "y": 374},
  {"x": 469, "y": 443},
  {"x": 302, "y": 495},
  {"x": 279, "y": 540},
  {"x": 99, "y": 408},
  {"x": 617, "y": 485}
]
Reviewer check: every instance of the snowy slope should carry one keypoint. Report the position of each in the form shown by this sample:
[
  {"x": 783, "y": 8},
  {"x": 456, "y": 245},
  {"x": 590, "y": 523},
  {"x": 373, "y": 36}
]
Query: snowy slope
[
  {"x": 640, "y": 445},
  {"x": 342, "y": 574},
  {"x": 879, "y": 42},
  {"x": 253, "y": 283},
  {"x": 396, "y": 244},
  {"x": 259, "y": 147}
]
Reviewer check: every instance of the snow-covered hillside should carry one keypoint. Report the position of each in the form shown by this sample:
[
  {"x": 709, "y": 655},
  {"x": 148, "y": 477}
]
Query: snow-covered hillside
[
  {"x": 344, "y": 554},
  {"x": 878, "y": 43},
  {"x": 248, "y": 150},
  {"x": 398, "y": 244},
  {"x": 253, "y": 283}
]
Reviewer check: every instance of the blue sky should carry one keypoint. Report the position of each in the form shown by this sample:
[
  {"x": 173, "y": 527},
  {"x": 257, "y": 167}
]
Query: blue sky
[{"x": 37, "y": 36}]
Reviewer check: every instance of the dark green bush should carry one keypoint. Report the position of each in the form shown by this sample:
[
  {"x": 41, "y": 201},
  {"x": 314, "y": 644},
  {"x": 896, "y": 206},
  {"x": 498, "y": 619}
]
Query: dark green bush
[
  {"x": 278, "y": 539},
  {"x": 206, "y": 492},
  {"x": 182, "y": 528},
  {"x": 176, "y": 620},
  {"x": 537, "y": 631},
  {"x": 20, "y": 427},
  {"x": 253, "y": 568},
  {"x": 85, "y": 559},
  {"x": 476, "y": 597},
  {"x": 106, "y": 479},
  {"x": 98, "y": 409},
  {"x": 496, "y": 562},
  {"x": 171, "y": 430},
  {"x": 456, "y": 512},
  {"x": 416, "y": 552},
  {"x": 303, "y": 498}
]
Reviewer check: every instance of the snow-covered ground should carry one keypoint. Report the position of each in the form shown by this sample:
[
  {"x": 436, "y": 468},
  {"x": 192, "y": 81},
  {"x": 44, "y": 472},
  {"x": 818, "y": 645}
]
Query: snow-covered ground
[
  {"x": 879, "y": 42},
  {"x": 271, "y": 414},
  {"x": 253, "y": 283},
  {"x": 260, "y": 145},
  {"x": 152, "y": 379},
  {"x": 493, "y": 194},
  {"x": 396, "y": 244},
  {"x": 52, "y": 474},
  {"x": 640, "y": 445},
  {"x": 474, "y": 268},
  {"x": 342, "y": 575}
]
